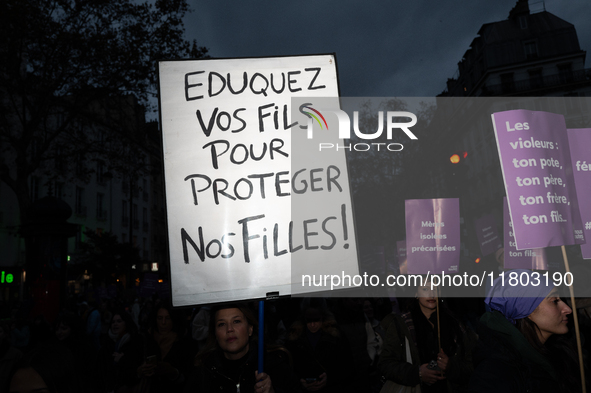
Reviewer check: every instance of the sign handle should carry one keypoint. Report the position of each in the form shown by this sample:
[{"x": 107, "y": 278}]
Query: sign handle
[
  {"x": 577, "y": 333},
  {"x": 438, "y": 327},
  {"x": 261, "y": 334}
]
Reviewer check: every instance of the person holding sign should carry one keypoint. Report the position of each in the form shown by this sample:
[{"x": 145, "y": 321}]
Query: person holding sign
[
  {"x": 520, "y": 349},
  {"x": 319, "y": 352},
  {"x": 229, "y": 361},
  {"x": 436, "y": 366}
]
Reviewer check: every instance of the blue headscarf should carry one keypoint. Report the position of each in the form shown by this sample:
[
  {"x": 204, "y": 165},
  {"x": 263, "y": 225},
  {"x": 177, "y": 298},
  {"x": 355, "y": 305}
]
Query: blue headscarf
[{"x": 516, "y": 302}]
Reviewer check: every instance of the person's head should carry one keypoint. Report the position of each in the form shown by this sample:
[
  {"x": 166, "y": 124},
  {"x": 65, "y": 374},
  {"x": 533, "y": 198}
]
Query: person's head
[
  {"x": 66, "y": 326},
  {"x": 47, "y": 369},
  {"x": 500, "y": 257},
  {"x": 427, "y": 297},
  {"x": 122, "y": 323},
  {"x": 368, "y": 309},
  {"x": 314, "y": 319},
  {"x": 535, "y": 309},
  {"x": 233, "y": 326},
  {"x": 164, "y": 319},
  {"x": 164, "y": 322}
]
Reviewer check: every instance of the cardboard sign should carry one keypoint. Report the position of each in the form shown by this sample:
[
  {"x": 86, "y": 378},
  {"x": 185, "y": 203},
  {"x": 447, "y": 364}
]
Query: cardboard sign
[
  {"x": 535, "y": 160},
  {"x": 487, "y": 235},
  {"x": 535, "y": 259},
  {"x": 579, "y": 141},
  {"x": 433, "y": 235},
  {"x": 230, "y": 178}
]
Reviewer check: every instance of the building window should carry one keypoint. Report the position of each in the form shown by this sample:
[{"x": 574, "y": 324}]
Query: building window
[
  {"x": 145, "y": 219},
  {"x": 80, "y": 166},
  {"x": 59, "y": 190},
  {"x": 101, "y": 214},
  {"x": 124, "y": 213},
  {"x": 531, "y": 49},
  {"x": 565, "y": 72},
  {"x": 61, "y": 162},
  {"x": 100, "y": 172},
  {"x": 134, "y": 216},
  {"x": 507, "y": 83},
  {"x": 535, "y": 78},
  {"x": 80, "y": 208},
  {"x": 34, "y": 188}
]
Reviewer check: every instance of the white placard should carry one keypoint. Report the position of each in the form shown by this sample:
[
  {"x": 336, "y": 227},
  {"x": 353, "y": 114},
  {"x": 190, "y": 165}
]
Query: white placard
[{"x": 230, "y": 176}]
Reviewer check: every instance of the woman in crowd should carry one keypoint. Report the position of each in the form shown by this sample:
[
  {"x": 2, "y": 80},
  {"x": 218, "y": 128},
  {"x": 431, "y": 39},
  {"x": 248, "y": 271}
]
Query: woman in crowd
[
  {"x": 169, "y": 356},
  {"x": 436, "y": 366},
  {"x": 69, "y": 333},
  {"x": 49, "y": 368},
  {"x": 520, "y": 348},
  {"x": 120, "y": 355},
  {"x": 318, "y": 352},
  {"x": 229, "y": 362}
]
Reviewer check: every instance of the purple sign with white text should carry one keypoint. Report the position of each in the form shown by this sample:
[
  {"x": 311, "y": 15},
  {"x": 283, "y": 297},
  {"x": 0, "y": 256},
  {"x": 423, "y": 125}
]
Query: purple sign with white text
[
  {"x": 433, "y": 235},
  {"x": 520, "y": 259},
  {"x": 535, "y": 159},
  {"x": 487, "y": 235},
  {"x": 580, "y": 153}
]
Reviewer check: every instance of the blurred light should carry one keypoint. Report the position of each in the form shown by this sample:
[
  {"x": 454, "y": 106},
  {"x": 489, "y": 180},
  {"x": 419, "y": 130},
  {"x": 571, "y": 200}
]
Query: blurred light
[
  {"x": 154, "y": 266},
  {"x": 465, "y": 154},
  {"x": 477, "y": 260},
  {"x": 455, "y": 158},
  {"x": 160, "y": 280}
]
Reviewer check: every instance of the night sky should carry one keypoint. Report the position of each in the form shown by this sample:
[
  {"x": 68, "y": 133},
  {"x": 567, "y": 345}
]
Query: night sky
[{"x": 383, "y": 48}]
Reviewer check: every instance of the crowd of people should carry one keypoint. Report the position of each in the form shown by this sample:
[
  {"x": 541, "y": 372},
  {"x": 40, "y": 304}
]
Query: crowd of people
[{"x": 423, "y": 344}]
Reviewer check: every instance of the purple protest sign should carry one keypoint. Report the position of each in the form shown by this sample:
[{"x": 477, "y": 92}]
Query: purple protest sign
[
  {"x": 520, "y": 259},
  {"x": 433, "y": 235},
  {"x": 401, "y": 253},
  {"x": 535, "y": 160},
  {"x": 488, "y": 237},
  {"x": 579, "y": 141}
]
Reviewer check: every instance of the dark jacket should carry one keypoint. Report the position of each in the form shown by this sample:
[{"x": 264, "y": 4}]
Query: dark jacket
[
  {"x": 395, "y": 367},
  {"x": 212, "y": 376},
  {"x": 121, "y": 374},
  {"x": 180, "y": 356},
  {"x": 328, "y": 355},
  {"x": 506, "y": 362}
]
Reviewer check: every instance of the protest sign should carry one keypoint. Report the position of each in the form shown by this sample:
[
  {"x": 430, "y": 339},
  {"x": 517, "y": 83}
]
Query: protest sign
[
  {"x": 230, "y": 178},
  {"x": 535, "y": 259},
  {"x": 487, "y": 235},
  {"x": 580, "y": 153},
  {"x": 536, "y": 165},
  {"x": 432, "y": 235}
]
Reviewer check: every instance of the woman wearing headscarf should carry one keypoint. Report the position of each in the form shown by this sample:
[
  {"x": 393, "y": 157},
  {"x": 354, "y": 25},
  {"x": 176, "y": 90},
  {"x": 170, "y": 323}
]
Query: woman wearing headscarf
[{"x": 519, "y": 348}]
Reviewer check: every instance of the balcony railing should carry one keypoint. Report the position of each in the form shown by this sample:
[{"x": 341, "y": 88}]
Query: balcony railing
[{"x": 538, "y": 82}]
